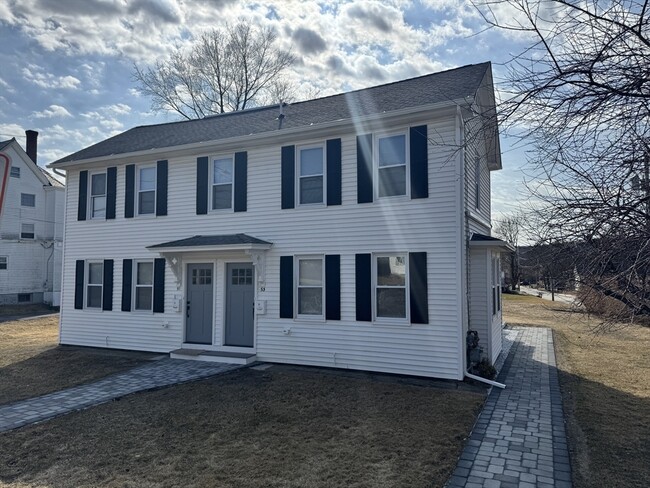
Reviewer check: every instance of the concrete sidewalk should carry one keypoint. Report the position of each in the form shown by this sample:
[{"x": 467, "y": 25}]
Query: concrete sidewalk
[
  {"x": 150, "y": 376},
  {"x": 519, "y": 439},
  {"x": 547, "y": 295}
]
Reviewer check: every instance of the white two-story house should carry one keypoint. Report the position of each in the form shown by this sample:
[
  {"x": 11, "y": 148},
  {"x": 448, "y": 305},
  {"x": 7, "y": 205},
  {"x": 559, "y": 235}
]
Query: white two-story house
[
  {"x": 31, "y": 227},
  {"x": 350, "y": 231}
]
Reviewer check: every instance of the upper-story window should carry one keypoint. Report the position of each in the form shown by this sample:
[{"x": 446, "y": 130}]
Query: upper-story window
[
  {"x": 27, "y": 200},
  {"x": 311, "y": 174},
  {"x": 15, "y": 172},
  {"x": 27, "y": 231},
  {"x": 392, "y": 162},
  {"x": 147, "y": 190},
  {"x": 98, "y": 195},
  {"x": 222, "y": 179}
]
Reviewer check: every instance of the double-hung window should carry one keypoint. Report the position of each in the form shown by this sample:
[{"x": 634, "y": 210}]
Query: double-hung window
[
  {"x": 94, "y": 284},
  {"x": 147, "y": 190},
  {"x": 27, "y": 200},
  {"x": 143, "y": 285},
  {"x": 27, "y": 231},
  {"x": 222, "y": 179},
  {"x": 311, "y": 174},
  {"x": 391, "y": 286},
  {"x": 391, "y": 165},
  {"x": 310, "y": 290},
  {"x": 3, "y": 262},
  {"x": 98, "y": 195}
]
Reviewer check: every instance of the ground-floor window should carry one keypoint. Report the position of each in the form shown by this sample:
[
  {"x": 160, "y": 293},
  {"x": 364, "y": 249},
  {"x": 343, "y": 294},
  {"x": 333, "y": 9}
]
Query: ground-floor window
[
  {"x": 391, "y": 286},
  {"x": 3, "y": 262},
  {"x": 94, "y": 284},
  {"x": 310, "y": 286},
  {"x": 143, "y": 285}
]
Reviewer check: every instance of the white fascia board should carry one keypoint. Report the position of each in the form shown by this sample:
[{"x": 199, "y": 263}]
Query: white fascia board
[
  {"x": 216, "y": 248},
  {"x": 367, "y": 123},
  {"x": 503, "y": 245}
]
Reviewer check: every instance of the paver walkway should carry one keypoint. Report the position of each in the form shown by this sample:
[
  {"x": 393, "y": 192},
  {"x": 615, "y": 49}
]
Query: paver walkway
[
  {"x": 150, "y": 376},
  {"x": 519, "y": 439}
]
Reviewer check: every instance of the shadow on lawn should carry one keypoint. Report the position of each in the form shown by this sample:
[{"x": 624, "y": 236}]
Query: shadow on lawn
[{"x": 62, "y": 367}]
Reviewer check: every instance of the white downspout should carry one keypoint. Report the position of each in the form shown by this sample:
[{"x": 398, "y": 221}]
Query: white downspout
[{"x": 484, "y": 380}]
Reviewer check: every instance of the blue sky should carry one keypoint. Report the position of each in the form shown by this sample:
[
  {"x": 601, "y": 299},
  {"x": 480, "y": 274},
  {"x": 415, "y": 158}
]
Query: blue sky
[{"x": 67, "y": 64}]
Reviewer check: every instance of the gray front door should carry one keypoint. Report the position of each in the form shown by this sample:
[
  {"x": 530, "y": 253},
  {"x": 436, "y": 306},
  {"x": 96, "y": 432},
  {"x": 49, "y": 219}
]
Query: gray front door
[
  {"x": 240, "y": 303},
  {"x": 198, "y": 325}
]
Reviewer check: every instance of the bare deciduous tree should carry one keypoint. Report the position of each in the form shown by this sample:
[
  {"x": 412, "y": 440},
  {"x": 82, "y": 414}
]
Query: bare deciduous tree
[
  {"x": 509, "y": 228},
  {"x": 581, "y": 93},
  {"x": 226, "y": 70}
]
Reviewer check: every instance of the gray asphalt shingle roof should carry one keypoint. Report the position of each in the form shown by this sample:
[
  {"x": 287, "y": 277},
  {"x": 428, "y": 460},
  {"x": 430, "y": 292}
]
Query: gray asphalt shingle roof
[
  {"x": 220, "y": 240},
  {"x": 444, "y": 86},
  {"x": 4, "y": 144}
]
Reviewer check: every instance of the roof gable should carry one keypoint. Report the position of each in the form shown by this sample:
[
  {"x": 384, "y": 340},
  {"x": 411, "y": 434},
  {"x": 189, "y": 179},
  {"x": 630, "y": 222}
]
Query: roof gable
[
  {"x": 446, "y": 86},
  {"x": 42, "y": 174}
]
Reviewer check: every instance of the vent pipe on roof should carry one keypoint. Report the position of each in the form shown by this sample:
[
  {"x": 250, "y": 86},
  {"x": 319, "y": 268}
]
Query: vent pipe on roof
[
  {"x": 281, "y": 116},
  {"x": 32, "y": 144}
]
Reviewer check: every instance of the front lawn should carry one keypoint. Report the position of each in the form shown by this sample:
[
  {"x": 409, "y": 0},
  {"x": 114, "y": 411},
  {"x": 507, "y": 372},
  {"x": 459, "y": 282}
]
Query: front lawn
[
  {"x": 283, "y": 427},
  {"x": 605, "y": 389},
  {"x": 32, "y": 364}
]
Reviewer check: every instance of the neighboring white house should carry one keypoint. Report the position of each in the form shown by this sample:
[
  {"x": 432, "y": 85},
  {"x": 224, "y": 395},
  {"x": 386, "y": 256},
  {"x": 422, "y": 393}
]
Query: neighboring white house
[
  {"x": 31, "y": 228},
  {"x": 349, "y": 231}
]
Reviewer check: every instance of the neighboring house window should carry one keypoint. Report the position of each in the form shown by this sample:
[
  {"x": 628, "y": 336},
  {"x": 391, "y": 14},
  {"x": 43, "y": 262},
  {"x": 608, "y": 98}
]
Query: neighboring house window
[
  {"x": 311, "y": 174},
  {"x": 391, "y": 165},
  {"x": 27, "y": 231},
  {"x": 27, "y": 200},
  {"x": 3, "y": 262},
  {"x": 143, "y": 285},
  {"x": 98, "y": 196},
  {"x": 310, "y": 286},
  {"x": 496, "y": 286},
  {"x": 222, "y": 176},
  {"x": 477, "y": 183},
  {"x": 15, "y": 172},
  {"x": 94, "y": 284},
  {"x": 147, "y": 190},
  {"x": 390, "y": 286},
  {"x": 24, "y": 297}
]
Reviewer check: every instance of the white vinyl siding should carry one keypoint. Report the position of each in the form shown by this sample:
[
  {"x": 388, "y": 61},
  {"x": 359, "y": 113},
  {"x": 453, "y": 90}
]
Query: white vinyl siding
[{"x": 390, "y": 225}]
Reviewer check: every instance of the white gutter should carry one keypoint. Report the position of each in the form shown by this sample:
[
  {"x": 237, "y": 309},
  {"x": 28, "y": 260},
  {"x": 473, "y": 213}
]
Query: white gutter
[
  {"x": 277, "y": 136},
  {"x": 485, "y": 380}
]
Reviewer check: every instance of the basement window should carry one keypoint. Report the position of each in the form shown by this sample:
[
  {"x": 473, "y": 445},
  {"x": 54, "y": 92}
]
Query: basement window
[{"x": 24, "y": 297}]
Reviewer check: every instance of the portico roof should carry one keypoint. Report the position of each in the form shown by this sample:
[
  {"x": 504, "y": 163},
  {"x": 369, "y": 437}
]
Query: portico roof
[{"x": 227, "y": 242}]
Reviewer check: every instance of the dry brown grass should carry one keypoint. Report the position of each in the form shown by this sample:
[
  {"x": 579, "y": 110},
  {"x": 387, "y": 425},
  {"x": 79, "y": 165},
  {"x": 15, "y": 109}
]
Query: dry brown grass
[
  {"x": 32, "y": 364},
  {"x": 606, "y": 391},
  {"x": 284, "y": 427}
]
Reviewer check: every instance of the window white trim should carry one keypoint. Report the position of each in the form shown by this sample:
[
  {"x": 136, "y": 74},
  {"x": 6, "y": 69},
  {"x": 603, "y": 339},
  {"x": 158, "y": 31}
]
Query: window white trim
[
  {"x": 22, "y": 198},
  {"x": 14, "y": 172},
  {"x": 406, "y": 320},
  {"x": 91, "y": 198},
  {"x": 134, "y": 291},
  {"x": 297, "y": 286},
  {"x": 138, "y": 169},
  {"x": 323, "y": 174},
  {"x": 96, "y": 285},
  {"x": 23, "y": 231},
  {"x": 212, "y": 184},
  {"x": 4, "y": 263},
  {"x": 375, "y": 162}
]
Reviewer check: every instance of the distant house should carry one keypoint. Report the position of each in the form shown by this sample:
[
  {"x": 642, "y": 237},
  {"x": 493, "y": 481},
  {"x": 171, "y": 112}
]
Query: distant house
[
  {"x": 31, "y": 228},
  {"x": 350, "y": 231}
]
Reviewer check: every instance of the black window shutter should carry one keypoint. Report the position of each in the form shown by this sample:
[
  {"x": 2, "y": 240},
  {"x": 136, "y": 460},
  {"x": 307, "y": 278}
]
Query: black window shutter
[
  {"x": 241, "y": 181},
  {"x": 161, "y": 187},
  {"x": 79, "y": 284},
  {"x": 418, "y": 284},
  {"x": 363, "y": 287},
  {"x": 334, "y": 172},
  {"x": 127, "y": 279},
  {"x": 83, "y": 195},
  {"x": 202, "y": 185},
  {"x": 107, "y": 298},
  {"x": 419, "y": 162},
  {"x": 364, "y": 169},
  {"x": 286, "y": 287},
  {"x": 129, "y": 191},
  {"x": 159, "y": 285},
  {"x": 288, "y": 176},
  {"x": 333, "y": 287},
  {"x": 111, "y": 191}
]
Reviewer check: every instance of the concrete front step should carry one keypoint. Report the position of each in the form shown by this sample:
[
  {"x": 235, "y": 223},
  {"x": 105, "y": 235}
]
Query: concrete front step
[{"x": 214, "y": 356}]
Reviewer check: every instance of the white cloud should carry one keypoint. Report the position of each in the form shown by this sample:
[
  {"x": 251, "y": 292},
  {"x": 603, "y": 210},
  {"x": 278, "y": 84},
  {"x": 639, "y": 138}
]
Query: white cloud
[
  {"x": 36, "y": 75},
  {"x": 7, "y": 131},
  {"x": 51, "y": 112}
]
